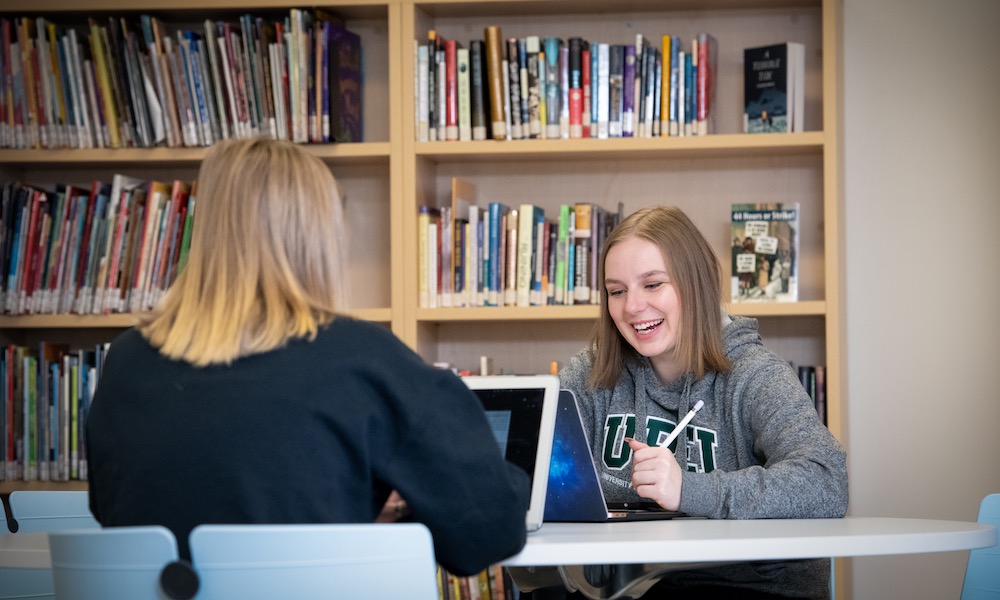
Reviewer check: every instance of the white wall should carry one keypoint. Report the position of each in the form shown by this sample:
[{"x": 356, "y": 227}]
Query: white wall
[{"x": 922, "y": 244}]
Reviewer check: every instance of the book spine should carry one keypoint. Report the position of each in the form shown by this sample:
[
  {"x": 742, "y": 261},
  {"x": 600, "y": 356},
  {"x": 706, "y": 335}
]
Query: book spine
[
  {"x": 586, "y": 77},
  {"x": 495, "y": 77},
  {"x": 628, "y": 93},
  {"x": 707, "y": 51},
  {"x": 462, "y": 68},
  {"x": 552, "y": 87},
  {"x": 522, "y": 91},
  {"x": 582, "y": 234},
  {"x": 564, "y": 92},
  {"x": 616, "y": 90},
  {"x": 576, "y": 87},
  {"x": 690, "y": 92},
  {"x": 532, "y": 50},
  {"x": 451, "y": 90},
  {"x": 421, "y": 93},
  {"x": 478, "y": 86},
  {"x": 514, "y": 90},
  {"x": 673, "y": 85},
  {"x": 432, "y": 91},
  {"x": 681, "y": 91},
  {"x": 442, "y": 90},
  {"x": 511, "y": 267},
  {"x": 433, "y": 259}
]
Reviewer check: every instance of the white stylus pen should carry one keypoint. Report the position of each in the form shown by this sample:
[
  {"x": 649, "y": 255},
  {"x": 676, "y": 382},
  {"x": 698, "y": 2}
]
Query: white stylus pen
[{"x": 680, "y": 426}]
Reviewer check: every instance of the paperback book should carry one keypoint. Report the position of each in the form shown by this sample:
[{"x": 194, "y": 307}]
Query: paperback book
[
  {"x": 773, "y": 96},
  {"x": 765, "y": 246}
]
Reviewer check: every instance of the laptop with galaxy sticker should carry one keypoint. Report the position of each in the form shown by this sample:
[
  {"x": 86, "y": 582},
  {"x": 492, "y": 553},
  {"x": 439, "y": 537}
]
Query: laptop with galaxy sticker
[
  {"x": 574, "y": 491},
  {"x": 521, "y": 410}
]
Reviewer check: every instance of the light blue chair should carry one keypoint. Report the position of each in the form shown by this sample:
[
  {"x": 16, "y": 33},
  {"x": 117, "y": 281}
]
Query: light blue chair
[
  {"x": 50, "y": 510},
  {"x": 119, "y": 562},
  {"x": 41, "y": 511},
  {"x": 982, "y": 574},
  {"x": 5, "y": 526},
  {"x": 390, "y": 560}
]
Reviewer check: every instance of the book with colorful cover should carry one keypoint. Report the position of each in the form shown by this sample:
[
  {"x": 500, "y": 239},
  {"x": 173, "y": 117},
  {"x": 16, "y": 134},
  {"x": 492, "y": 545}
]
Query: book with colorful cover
[
  {"x": 765, "y": 247},
  {"x": 773, "y": 97}
]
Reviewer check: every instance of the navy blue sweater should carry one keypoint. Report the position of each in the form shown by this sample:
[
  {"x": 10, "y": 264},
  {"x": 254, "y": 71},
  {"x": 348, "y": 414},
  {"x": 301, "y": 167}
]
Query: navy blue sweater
[{"x": 315, "y": 432}]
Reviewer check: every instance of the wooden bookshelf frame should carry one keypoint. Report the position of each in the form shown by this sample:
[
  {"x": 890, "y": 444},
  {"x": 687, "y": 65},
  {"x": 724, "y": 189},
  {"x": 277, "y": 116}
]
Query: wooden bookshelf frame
[{"x": 410, "y": 173}]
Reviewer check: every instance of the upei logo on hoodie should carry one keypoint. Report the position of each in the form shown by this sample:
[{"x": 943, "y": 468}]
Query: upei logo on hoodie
[{"x": 617, "y": 455}]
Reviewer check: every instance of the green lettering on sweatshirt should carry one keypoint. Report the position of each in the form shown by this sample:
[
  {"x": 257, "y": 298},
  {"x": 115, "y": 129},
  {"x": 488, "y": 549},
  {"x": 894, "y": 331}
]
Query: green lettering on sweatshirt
[{"x": 700, "y": 453}]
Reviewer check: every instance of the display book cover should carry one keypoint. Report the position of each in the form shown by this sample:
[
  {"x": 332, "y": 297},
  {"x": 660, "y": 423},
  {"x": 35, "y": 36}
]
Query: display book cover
[
  {"x": 765, "y": 248},
  {"x": 773, "y": 88}
]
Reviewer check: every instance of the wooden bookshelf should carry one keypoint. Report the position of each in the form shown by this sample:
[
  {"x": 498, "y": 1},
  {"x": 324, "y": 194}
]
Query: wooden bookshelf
[
  {"x": 703, "y": 175},
  {"x": 388, "y": 176}
]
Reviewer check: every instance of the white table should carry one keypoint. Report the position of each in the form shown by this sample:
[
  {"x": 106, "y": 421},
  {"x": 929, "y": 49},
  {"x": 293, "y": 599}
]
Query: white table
[
  {"x": 686, "y": 540},
  {"x": 643, "y": 551},
  {"x": 684, "y": 543}
]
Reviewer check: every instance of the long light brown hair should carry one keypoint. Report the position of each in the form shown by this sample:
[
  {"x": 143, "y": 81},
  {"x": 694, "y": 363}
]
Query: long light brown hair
[
  {"x": 695, "y": 273},
  {"x": 266, "y": 257}
]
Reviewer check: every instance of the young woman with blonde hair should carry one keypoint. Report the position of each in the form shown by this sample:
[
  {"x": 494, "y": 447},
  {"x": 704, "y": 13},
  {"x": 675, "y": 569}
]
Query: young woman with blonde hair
[
  {"x": 756, "y": 448},
  {"x": 247, "y": 396}
]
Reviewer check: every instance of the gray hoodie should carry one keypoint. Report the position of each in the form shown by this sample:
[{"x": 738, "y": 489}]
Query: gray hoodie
[{"x": 756, "y": 450}]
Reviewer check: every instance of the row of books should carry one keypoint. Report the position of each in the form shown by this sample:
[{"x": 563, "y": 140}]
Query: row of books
[
  {"x": 116, "y": 247},
  {"x": 120, "y": 84},
  {"x": 45, "y": 394},
  {"x": 501, "y": 255},
  {"x": 489, "y": 584},
  {"x": 534, "y": 87}
]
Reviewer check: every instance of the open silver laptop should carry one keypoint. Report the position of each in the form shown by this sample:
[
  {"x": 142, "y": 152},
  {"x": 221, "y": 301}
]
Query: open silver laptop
[{"x": 521, "y": 410}]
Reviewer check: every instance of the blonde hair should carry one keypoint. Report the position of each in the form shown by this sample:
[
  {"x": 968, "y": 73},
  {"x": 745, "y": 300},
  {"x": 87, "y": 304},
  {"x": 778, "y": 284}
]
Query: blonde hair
[
  {"x": 695, "y": 273},
  {"x": 266, "y": 257}
]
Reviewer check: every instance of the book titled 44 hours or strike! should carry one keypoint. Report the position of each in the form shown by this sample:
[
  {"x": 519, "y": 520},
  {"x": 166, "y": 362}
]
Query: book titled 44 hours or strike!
[{"x": 765, "y": 247}]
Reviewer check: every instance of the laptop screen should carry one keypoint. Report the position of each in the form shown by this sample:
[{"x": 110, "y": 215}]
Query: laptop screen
[
  {"x": 514, "y": 415},
  {"x": 521, "y": 412}
]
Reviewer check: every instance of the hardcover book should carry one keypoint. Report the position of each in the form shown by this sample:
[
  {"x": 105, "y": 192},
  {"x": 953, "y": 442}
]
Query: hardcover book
[
  {"x": 553, "y": 94},
  {"x": 345, "y": 86},
  {"x": 773, "y": 95},
  {"x": 479, "y": 88},
  {"x": 708, "y": 52},
  {"x": 514, "y": 91},
  {"x": 495, "y": 76},
  {"x": 765, "y": 246}
]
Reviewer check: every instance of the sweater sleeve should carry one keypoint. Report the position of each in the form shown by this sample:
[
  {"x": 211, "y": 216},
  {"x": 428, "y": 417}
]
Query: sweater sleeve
[
  {"x": 574, "y": 377},
  {"x": 449, "y": 469},
  {"x": 794, "y": 467}
]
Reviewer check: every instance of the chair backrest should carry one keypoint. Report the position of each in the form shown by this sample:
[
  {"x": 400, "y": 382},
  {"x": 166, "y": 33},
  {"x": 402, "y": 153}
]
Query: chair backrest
[
  {"x": 123, "y": 562},
  {"x": 982, "y": 574},
  {"x": 50, "y": 510},
  {"x": 390, "y": 560},
  {"x": 5, "y": 526}
]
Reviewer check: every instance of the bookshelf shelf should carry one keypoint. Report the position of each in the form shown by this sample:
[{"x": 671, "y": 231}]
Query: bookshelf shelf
[
  {"x": 591, "y": 312},
  {"x": 719, "y": 145},
  {"x": 7, "y": 487},
  {"x": 371, "y": 152},
  {"x": 112, "y": 321},
  {"x": 67, "y": 321}
]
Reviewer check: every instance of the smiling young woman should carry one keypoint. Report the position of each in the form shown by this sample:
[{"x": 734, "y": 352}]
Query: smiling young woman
[{"x": 757, "y": 449}]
